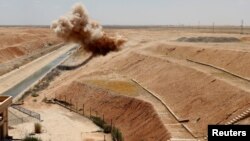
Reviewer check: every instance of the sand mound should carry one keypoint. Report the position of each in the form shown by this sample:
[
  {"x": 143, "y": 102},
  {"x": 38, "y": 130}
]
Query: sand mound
[
  {"x": 208, "y": 39},
  {"x": 190, "y": 94},
  {"x": 20, "y": 45},
  {"x": 17, "y": 42},
  {"x": 135, "y": 118},
  {"x": 245, "y": 39},
  {"x": 230, "y": 60},
  {"x": 9, "y": 53}
]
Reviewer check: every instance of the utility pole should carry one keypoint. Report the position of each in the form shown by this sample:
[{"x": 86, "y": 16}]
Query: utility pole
[
  {"x": 242, "y": 27},
  {"x": 213, "y": 27},
  {"x": 199, "y": 23}
]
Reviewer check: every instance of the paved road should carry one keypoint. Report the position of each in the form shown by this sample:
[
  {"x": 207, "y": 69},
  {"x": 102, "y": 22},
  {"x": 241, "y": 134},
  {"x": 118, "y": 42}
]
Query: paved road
[{"x": 18, "y": 81}]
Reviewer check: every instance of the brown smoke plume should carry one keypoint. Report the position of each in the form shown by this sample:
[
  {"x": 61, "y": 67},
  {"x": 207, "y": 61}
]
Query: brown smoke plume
[{"x": 78, "y": 27}]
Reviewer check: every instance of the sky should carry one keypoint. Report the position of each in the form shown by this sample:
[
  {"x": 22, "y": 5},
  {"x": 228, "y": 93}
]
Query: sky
[{"x": 130, "y": 12}]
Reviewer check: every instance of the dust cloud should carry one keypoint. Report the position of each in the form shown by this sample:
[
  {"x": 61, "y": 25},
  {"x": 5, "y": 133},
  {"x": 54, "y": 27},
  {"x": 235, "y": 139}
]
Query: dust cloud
[{"x": 77, "y": 26}]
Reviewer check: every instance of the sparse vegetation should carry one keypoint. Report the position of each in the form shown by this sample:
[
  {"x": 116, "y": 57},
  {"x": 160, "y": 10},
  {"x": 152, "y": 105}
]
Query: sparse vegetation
[
  {"x": 116, "y": 135},
  {"x": 43, "y": 84},
  {"x": 30, "y": 138},
  {"x": 107, "y": 128},
  {"x": 16, "y": 66},
  {"x": 37, "y": 128},
  {"x": 115, "y": 132},
  {"x": 34, "y": 95},
  {"x": 45, "y": 99},
  {"x": 121, "y": 87},
  {"x": 63, "y": 102},
  {"x": 98, "y": 121}
]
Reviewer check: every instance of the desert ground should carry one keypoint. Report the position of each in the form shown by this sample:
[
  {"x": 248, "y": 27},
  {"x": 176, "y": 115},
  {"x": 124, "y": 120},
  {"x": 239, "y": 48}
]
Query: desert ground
[
  {"x": 20, "y": 45},
  {"x": 156, "y": 88}
]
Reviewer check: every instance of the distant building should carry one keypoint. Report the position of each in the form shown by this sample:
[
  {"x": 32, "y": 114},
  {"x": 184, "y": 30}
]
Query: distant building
[{"x": 5, "y": 102}]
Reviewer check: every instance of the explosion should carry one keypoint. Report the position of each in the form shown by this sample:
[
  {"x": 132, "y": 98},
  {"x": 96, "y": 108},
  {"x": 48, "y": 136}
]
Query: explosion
[{"x": 78, "y": 27}]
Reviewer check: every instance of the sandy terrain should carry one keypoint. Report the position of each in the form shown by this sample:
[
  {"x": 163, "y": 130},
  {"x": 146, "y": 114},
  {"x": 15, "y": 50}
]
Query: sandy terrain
[
  {"x": 190, "y": 95},
  {"x": 9, "y": 80},
  {"x": 20, "y": 45},
  {"x": 231, "y": 58},
  {"x": 201, "y": 95},
  {"x": 58, "y": 124},
  {"x": 135, "y": 118}
]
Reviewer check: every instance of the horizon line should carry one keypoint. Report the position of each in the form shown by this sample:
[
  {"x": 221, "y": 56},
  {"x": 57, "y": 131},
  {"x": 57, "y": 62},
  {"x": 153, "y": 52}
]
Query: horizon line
[{"x": 131, "y": 25}]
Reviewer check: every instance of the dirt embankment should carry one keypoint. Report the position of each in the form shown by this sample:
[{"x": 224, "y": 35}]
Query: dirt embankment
[
  {"x": 209, "y": 39},
  {"x": 135, "y": 118},
  {"x": 245, "y": 39},
  {"x": 191, "y": 94},
  {"x": 10, "y": 53},
  {"x": 231, "y": 60},
  {"x": 21, "y": 45}
]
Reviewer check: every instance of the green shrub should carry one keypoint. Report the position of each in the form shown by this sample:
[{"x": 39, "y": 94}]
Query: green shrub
[
  {"x": 45, "y": 99},
  {"x": 34, "y": 95},
  {"x": 107, "y": 128},
  {"x": 29, "y": 138},
  {"x": 116, "y": 135},
  {"x": 98, "y": 121},
  {"x": 37, "y": 128},
  {"x": 50, "y": 44},
  {"x": 115, "y": 132}
]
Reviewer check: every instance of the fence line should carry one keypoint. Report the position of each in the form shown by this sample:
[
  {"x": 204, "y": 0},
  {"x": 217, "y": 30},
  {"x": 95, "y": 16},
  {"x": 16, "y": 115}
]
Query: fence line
[
  {"x": 27, "y": 112},
  {"x": 16, "y": 119},
  {"x": 67, "y": 103},
  {"x": 76, "y": 108}
]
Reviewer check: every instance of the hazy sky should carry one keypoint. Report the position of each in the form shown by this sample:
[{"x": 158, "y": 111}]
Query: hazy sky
[{"x": 129, "y": 12}]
